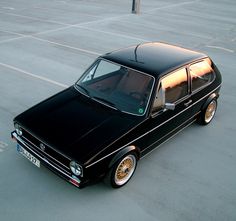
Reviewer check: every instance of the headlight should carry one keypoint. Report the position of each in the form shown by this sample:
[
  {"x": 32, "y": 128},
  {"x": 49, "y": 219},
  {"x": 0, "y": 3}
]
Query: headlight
[
  {"x": 76, "y": 168},
  {"x": 18, "y": 129}
]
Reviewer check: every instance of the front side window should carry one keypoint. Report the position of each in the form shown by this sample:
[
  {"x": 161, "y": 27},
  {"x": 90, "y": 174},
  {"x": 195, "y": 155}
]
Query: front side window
[
  {"x": 201, "y": 74},
  {"x": 117, "y": 86},
  {"x": 175, "y": 85},
  {"x": 171, "y": 88}
]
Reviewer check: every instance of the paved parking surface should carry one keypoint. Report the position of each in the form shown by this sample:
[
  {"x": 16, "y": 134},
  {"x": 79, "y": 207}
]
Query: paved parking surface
[{"x": 46, "y": 45}]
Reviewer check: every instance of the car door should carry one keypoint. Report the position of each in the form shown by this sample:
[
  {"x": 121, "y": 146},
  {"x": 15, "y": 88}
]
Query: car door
[{"x": 171, "y": 110}]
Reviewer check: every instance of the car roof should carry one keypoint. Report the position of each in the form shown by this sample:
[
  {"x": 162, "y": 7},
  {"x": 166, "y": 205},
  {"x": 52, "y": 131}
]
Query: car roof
[{"x": 154, "y": 58}]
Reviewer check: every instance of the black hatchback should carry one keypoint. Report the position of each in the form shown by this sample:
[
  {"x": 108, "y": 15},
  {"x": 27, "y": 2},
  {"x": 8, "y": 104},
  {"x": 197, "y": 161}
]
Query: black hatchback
[{"x": 126, "y": 104}]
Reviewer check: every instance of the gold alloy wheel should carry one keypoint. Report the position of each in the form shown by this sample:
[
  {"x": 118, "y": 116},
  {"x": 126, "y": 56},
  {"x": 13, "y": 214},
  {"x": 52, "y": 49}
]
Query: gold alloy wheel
[
  {"x": 125, "y": 170},
  {"x": 210, "y": 111}
]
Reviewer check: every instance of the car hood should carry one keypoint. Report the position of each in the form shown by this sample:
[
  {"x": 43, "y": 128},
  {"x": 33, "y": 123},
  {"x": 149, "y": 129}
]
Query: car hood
[{"x": 76, "y": 125}]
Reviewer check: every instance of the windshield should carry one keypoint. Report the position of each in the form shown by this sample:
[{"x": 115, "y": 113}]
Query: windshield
[{"x": 117, "y": 86}]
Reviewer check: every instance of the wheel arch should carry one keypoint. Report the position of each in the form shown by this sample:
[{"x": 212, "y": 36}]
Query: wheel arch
[
  {"x": 123, "y": 152},
  {"x": 209, "y": 99}
]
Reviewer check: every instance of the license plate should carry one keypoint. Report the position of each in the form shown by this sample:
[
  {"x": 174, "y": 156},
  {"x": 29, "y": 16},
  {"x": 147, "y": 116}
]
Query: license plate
[{"x": 28, "y": 155}]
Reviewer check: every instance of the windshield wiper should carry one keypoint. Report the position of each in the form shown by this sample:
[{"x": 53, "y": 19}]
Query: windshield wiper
[
  {"x": 84, "y": 89},
  {"x": 109, "y": 103}
]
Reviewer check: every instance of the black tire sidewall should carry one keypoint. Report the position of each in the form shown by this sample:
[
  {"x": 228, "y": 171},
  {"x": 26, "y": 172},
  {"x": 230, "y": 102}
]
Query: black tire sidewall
[
  {"x": 201, "y": 119},
  {"x": 111, "y": 175}
]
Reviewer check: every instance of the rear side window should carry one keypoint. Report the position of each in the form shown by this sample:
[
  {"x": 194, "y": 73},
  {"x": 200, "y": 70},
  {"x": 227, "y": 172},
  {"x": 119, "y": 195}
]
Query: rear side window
[{"x": 201, "y": 74}]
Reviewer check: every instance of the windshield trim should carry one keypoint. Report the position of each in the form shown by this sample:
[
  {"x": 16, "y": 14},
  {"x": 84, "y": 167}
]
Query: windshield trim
[{"x": 101, "y": 58}]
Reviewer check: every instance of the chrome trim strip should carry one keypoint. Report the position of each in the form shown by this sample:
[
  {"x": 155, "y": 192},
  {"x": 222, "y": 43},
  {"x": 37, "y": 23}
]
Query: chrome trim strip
[
  {"x": 43, "y": 159},
  {"x": 152, "y": 129},
  {"x": 207, "y": 94},
  {"x": 171, "y": 132},
  {"x": 46, "y": 144},
  {"x": 46, "y": 153},
  {"x": 169, "y": 138}
]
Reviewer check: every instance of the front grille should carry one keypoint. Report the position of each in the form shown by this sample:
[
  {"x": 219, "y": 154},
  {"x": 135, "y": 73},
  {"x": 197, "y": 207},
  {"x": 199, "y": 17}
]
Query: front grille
[{"x": 52, "y": 156}]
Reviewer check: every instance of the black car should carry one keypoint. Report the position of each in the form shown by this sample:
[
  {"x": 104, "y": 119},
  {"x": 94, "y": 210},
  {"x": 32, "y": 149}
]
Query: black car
[{"x": 126, "y": 104}]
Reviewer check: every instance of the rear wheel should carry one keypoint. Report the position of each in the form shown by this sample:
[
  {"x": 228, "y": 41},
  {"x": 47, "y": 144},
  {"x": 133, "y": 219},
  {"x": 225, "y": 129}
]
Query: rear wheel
[
  {"x": 208, "y": 113},
  {"x": 122, "y": 171}
]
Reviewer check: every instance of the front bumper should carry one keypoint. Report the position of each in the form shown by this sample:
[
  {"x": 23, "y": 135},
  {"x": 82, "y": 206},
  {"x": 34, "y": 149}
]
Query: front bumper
[{"x": 48, "y": 162}]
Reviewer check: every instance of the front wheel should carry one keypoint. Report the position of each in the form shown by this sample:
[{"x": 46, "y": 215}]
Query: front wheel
[
  {"x": 208, "y": 113},
  {"x": 122, "y": 171}
]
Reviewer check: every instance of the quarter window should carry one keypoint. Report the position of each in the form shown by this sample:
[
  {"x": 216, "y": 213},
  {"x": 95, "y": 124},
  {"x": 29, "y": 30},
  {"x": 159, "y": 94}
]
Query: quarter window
[
  {"x": 201, "y": 74},
  {"x": 175, "y": 85}
]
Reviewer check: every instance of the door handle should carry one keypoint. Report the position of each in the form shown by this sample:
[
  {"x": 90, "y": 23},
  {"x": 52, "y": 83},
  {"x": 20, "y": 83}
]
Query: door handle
[{"x": 188, "y": 103}]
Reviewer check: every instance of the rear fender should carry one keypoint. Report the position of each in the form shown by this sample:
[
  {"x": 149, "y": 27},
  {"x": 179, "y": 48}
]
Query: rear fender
[{"x": 209, "y": 99}]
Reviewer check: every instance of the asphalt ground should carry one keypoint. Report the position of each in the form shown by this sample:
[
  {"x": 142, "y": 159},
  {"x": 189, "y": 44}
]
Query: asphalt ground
[{"x": 46, "y": 45}]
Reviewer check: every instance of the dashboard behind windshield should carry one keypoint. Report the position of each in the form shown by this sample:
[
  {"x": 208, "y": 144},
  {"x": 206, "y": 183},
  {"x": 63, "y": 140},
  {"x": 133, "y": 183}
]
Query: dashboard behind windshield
[{"x": 120, "y": 87}]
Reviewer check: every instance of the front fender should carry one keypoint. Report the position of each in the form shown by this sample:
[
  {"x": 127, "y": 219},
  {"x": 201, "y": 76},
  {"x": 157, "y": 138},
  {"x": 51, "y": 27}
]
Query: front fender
[{"x": 123, "y": 152}]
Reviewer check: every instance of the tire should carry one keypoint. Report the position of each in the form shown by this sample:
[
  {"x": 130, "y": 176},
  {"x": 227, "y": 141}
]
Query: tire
[
  {"x": 122, "y": 171},
  {"x": 208, "y": 113}
]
